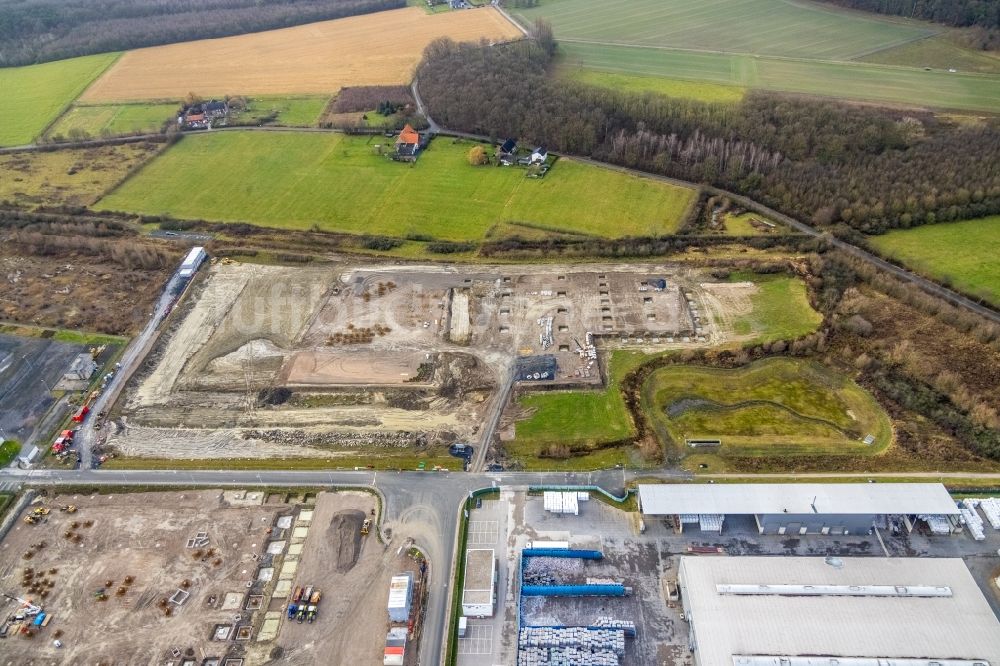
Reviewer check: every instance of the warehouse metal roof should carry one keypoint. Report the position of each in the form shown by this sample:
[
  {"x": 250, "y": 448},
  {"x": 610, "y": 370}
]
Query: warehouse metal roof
[
  {"x": 797, "y": 498},
  {"x": 729, "y": 627}
]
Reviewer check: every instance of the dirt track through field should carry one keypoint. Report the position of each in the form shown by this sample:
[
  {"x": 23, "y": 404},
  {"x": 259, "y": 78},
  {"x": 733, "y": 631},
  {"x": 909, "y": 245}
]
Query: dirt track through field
[{"x": 374, "y": 49}]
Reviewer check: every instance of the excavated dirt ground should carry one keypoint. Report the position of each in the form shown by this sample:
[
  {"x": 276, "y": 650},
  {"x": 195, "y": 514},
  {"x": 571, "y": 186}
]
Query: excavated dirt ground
[
  {"x": 393, "y": 355},
  {"x": 131, "y": 535}
]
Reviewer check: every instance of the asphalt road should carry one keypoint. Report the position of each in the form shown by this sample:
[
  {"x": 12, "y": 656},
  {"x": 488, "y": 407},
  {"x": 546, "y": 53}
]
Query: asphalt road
[{"x": 133, "y": 357}]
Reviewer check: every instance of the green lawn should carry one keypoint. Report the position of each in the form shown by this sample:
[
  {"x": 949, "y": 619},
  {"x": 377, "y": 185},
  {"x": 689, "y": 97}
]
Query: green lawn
[
  {"x": 32, "y": 97},
  {"x": 113, "y": 119},
  {"x": 781, "y": 309},
  {"x": 759, "y": 27},
  {"x": 777, "y": 406},
  {"x": 912, "y": 86},
  {"x": 339, "y": 183},
  {"x": 698, "y": 90},
  {"x": 964, "y": 254}
]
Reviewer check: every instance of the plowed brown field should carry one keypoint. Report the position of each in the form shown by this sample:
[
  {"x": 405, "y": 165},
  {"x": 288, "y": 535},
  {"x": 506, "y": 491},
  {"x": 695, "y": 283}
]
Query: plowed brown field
[{"x": 374, "y": 49}]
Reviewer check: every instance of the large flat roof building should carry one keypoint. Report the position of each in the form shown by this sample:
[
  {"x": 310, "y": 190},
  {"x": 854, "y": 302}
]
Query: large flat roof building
[
  {"x": 814, "y": 611},
  {"x": 799, "y": 508}
]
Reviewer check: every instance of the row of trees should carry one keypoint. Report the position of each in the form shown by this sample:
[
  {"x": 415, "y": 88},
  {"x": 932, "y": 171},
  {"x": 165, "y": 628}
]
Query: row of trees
[
  {"x": 41, "y": 30},
  {"x": 871, "y": 168}
]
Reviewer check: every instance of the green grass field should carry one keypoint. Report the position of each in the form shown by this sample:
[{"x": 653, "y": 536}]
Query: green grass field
[
  {"x": 287, "y": 111},
  {"x": 32, "y": 97},
  {"x": 758, "y": 27},
  {"x": 780, "y": 309},
  {"x": 739, "y": 225},
  {"x": 938, "y": 52},
  {"x": 777, "y": 406},
  {"x": 339, "y": 183},
  {"x": 113, "y": 119},
  {"x": 698, "y": 90},
  {"x": 908, "y": 86},
  {"x": 964, "y": 254}
]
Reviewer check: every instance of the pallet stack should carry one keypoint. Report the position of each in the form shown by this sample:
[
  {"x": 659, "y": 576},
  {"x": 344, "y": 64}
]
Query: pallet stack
[{"x": 570, "y": 646}]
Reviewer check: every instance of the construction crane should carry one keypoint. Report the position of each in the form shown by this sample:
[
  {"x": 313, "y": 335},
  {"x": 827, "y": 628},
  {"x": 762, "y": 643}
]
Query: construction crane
[{"x": 29, "y": 608}]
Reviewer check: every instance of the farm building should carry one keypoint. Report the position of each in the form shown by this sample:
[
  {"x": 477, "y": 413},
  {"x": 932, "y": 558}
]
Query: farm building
[
  {"x": 192, "y": 261},
  {"x": 204, "y": 114},
  {"x": 407, "y": 144},
  {"x": 507, "y": 152},
  {"x": 803, "y": 508},
  {"x": 815, "y": 611},
  {"x": 479, "y": 594}
]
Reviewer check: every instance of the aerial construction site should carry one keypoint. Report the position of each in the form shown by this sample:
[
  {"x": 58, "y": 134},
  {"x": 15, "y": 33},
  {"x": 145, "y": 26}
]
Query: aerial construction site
[{"x": 338, "y": 361}]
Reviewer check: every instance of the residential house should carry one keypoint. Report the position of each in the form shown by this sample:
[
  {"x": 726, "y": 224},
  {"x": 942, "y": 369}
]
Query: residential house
[
  {"x": 539, "y": 155},
  {"x": 407, "y": 144}
]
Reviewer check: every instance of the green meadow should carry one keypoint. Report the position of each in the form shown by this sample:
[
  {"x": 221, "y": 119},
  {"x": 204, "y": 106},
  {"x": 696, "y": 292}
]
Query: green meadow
[{"x": 341, "y": 183}]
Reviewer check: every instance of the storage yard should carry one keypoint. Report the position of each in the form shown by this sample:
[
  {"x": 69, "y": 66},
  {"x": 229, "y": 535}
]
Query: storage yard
[
  {"x": 599, "y": 586},
  {"x": 212, "y": 583},
  {"x": 317, "y": 362},
  {"x": 121, "y": 582},
  {"x": 334, "y": 550}
]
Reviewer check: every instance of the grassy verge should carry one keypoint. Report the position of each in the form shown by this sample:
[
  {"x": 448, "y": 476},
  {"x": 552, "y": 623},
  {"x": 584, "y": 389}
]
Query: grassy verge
[
  {"x": 8, "y": 451},
  {"x": 401, "y": 462},
  {"x": 100, "y": 120}
]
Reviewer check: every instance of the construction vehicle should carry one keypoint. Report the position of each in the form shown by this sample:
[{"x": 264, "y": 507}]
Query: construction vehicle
[
  {"x": 306, "y": 594},
  {"x": 366, "y": 526},
  {"x": 68, "y": 508},
  {"x": 31, "y": 520},
  {"x": 310, "y": 614},
  {"x": 292, "y": 610},
  {"x": 41, "y": 511},
  {"x": 315, "y": 597},
  {"x": 27, "y": 608},
  {"x": 300, "y": 615}
]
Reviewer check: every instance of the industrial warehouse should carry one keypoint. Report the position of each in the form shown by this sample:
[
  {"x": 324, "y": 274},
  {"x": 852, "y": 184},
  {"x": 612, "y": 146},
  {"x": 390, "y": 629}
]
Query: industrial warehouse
[
  {"x": 816, "y": 611},
  {"x": 804, "y": 508}
]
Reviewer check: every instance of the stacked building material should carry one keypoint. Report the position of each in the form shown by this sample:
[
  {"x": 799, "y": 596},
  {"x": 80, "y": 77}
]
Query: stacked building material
[
  {"x": 991, "y": 508},
  {"x": 560, "y": 502},
  {"x": 971, "y": 519},
  {"x": 937, "y": 524},
  {"x": 607, "y": 622},
  {"x": 576, "y": 646}
]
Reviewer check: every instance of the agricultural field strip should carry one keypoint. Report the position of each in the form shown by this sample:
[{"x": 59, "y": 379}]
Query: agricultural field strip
[
  {"x": 886, "y": 83},
  {"x": 33, "y": 97},
  {"x": 761, "y": 27},
  {"x": 371, "y": 49}
]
